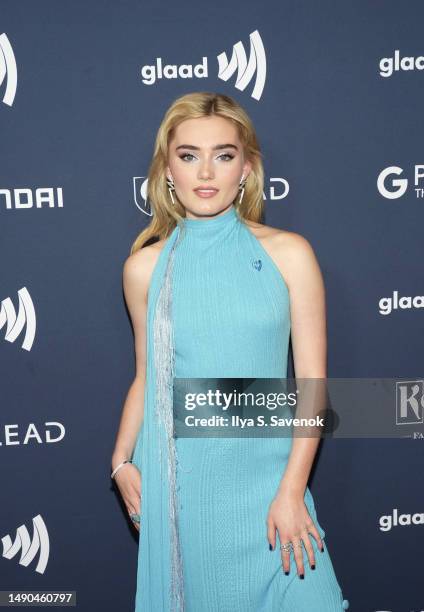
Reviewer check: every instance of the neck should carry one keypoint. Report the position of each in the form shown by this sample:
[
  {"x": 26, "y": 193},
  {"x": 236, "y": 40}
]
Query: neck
[
  {"x": 218, "y": 219},
  {"x": 209, "y": 226}
]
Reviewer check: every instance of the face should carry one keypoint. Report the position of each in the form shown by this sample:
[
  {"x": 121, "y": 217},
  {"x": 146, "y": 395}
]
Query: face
[{"x": 206, "y": 152}]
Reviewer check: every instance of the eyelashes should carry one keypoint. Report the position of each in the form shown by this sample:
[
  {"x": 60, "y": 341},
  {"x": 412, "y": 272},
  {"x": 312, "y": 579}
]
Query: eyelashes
[{"x": 184, "y": 155}]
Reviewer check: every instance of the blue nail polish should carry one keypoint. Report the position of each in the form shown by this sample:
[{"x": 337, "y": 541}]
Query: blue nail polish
[
  {"x": 270, "y": 547},
  {"x": 301, "y": 576}
]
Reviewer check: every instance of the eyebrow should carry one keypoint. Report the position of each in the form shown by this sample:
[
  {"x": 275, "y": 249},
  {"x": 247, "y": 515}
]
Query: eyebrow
[{"x": 215, "y": 148}]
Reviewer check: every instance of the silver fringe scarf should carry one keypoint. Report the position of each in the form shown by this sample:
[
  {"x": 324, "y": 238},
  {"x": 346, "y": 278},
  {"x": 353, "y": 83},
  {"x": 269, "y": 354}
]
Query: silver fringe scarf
[{"x": 164, "y": 360}]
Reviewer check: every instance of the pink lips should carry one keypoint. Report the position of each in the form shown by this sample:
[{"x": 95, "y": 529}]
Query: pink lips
[{"x": 206, "y": 193}]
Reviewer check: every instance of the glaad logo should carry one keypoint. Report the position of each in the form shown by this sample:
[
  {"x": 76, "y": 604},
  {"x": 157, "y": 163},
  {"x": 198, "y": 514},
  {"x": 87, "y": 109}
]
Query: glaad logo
[
  {"x": 409, "y": 402},
  {"x": 40, "y": 544},
  {"x": 8, "y": 70},
  {"x": 388, "y": 521},
  {"x": 400, "y": 185},
  {"x": 14, "y": 324},
  {"x": 140, "y": 192},
  {"x": 387, "y": 304},
  {"x": 396, "y": 63},
  {"x": 25, "y": 197},
  {"x": 246, "y": 69}
]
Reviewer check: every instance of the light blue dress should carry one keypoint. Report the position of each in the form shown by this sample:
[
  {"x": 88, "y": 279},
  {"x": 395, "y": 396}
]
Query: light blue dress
[{"x": 230, "y": 319}]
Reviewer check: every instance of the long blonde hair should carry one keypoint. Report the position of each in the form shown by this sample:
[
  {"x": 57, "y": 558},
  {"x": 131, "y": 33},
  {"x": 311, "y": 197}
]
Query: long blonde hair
[{"x": 191, "y": 106}]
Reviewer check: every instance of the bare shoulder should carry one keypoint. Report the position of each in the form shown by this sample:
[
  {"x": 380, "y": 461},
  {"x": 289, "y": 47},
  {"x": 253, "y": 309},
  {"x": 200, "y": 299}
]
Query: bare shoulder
[
  {"x": 291, "y": 251},
  {"x": 138, "y": 268}
]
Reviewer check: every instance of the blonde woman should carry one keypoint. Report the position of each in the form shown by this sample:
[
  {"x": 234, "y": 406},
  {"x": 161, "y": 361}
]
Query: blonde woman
[{"x": 226, "y": 524}]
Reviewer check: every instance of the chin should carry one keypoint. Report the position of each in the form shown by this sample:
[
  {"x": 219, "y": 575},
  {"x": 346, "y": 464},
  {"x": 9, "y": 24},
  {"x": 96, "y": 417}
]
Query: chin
[
  {"x": 208, "y": 208},
  {"x": 205, "y": 208}
]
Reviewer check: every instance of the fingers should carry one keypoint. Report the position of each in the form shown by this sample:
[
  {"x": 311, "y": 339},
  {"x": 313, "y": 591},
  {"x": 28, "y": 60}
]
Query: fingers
[
  {"x": 298, "y": 556},
  {"x": 315, "y": 533},
  {"x": 309, "y": 550},
  {"x": 271, "y": 534},
  {"x": 295, "y": 544},
  {"x": 285, "y": 556},
  {"x": 133, "y": 505},
  {"x": 129, "y": 484},
  {"x": 131, "y": 509}
]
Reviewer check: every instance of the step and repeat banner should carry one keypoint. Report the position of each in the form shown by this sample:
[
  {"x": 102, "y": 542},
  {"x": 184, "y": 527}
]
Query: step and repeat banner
[{"x": 335, "y": 90}]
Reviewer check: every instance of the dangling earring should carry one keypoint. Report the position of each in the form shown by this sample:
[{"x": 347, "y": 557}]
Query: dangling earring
[
  {"x": 241, "y": 188},
  {"x": 171, "y": 188}
]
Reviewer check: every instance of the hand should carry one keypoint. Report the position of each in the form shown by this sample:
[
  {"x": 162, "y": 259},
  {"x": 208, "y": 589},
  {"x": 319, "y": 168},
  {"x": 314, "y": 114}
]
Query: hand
[
  {"x": 289, "y": 515},
  {"x": 128, "y": 481}
]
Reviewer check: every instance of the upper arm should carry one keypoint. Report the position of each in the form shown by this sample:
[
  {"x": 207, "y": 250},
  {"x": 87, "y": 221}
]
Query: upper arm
[
  {"x": 137, "y": 272},
  {"x": 307, "y": 307}
]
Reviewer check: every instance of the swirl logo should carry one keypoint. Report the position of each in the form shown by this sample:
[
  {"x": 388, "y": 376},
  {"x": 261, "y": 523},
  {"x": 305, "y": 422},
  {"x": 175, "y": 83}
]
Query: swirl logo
[
  {"x": 245, "y": 69},
  {"x": 15, "y": 323},
  {"x": 29, "y": 548},
  {"x": 8, "y": 71}
]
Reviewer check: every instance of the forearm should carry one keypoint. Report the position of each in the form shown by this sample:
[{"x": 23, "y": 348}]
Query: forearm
[
  {"x": 131, "y": 421},
  {"x": 296, "y": 474},
  {"x": 311, "y": 408}
]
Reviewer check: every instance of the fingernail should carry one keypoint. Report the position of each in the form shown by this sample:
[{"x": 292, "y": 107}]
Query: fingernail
[
  {"x": 301, "y": 576},
  {"x": 270, "y": 547},
  {"x": 286, "y": 573},
  {"x": 322, "y": 549},
  {"x": 312, "y": 566}
]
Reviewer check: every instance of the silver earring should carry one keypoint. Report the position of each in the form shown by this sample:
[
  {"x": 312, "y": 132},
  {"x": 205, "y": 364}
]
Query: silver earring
[
  {"x": 241, "y": 188},
  {"x": 171, "y": 188}
]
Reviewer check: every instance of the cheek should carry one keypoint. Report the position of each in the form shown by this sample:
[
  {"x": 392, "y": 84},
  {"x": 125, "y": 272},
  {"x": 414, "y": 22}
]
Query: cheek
[
  {"x": 184, "y": 177},
  {"x": 230, "y": 173},
  {"x": 229, "y": 182}
]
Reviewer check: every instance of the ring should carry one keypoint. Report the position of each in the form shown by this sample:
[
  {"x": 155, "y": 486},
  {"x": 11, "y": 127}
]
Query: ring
[
  {"x": 287, "y": 547},
  {"x": 134, "y": 517}
]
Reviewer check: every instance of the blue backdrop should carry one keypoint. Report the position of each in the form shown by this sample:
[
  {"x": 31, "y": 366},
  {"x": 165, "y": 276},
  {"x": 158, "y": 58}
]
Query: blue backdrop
[{"x": 335, "y": 90}]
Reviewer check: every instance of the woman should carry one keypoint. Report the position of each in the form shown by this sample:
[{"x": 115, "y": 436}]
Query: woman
[{"x": 216, "y": 296}]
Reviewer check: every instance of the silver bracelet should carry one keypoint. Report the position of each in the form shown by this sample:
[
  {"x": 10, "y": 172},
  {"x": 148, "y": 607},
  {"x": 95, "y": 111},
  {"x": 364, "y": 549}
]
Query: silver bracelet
[{"x": 118, "y": 467}]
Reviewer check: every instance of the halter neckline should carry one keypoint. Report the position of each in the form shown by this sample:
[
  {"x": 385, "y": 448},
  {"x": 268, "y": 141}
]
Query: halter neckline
[{"x": 211, "y": 223}]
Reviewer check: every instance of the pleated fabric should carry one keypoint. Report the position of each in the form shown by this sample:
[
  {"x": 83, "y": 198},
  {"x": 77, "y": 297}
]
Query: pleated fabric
[{"x": 218, "y": 307}]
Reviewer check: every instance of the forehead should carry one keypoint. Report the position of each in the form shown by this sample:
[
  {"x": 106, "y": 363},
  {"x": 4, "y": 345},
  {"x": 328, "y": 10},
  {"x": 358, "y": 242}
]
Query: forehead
[{"x": 205, "y": 132}]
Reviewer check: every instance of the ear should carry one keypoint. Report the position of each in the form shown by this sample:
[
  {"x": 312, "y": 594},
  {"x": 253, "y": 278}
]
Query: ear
[
  {"x": 168, "y": 173},
  {"x": 247, "y": 169}
]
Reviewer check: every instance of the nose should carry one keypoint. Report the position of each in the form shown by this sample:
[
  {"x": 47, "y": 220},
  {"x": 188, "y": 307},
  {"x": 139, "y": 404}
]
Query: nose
[{"x": 206, "y": 171}]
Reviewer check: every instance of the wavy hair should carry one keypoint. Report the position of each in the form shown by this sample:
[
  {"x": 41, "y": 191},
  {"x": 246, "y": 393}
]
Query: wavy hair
[{"x": 165, "y": 216}]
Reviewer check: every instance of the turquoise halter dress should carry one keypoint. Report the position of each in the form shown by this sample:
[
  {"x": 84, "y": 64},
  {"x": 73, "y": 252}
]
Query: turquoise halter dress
[{"x": 218, "y": 307}]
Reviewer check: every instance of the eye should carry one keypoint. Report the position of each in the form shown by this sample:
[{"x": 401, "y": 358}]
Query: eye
[
  {"x": 226, "y": 155},
  {"x": 185, "y": 155}
]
